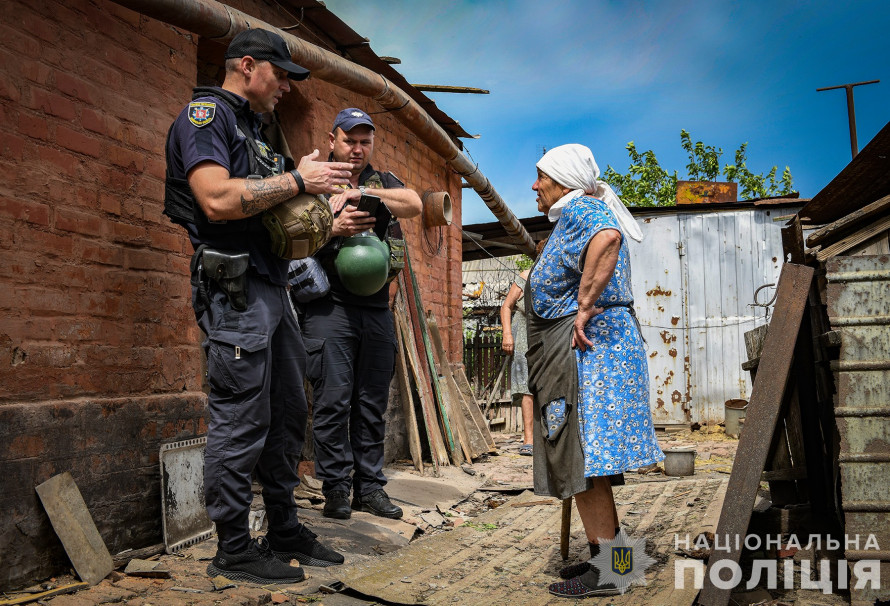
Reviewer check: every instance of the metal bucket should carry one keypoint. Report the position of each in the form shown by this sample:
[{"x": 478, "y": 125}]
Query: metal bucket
[
  {"x": 679, "y": 461},
  {"x": 733, "y": 412}
]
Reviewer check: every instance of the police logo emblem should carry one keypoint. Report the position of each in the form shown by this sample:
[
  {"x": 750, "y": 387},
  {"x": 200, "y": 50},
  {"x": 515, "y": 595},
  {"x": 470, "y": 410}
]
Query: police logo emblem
[
  {"x": 201, "y": 113},
  {"x": 622, "y": 560},
  {"x": 265, "y": 150}
]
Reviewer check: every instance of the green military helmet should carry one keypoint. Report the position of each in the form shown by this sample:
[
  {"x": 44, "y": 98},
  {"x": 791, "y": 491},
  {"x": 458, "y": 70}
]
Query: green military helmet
[{"x": 363, "y": 264}]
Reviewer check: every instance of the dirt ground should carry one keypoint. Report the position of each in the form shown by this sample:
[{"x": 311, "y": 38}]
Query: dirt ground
[{"x": 434, "y": 504}]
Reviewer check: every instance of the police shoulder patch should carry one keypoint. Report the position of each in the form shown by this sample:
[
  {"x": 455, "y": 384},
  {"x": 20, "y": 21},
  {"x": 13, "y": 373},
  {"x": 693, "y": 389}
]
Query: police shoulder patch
[{"x": 201, "y": 113}]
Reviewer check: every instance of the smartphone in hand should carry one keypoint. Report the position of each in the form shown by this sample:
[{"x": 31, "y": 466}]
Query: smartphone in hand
[{"x": 369, "y": 204}]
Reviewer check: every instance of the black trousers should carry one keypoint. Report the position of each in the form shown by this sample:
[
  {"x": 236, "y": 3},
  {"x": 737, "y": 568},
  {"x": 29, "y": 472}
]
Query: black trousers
[
  {"x": 351, "y": 361},
  {"x": 258, "y": 412}
]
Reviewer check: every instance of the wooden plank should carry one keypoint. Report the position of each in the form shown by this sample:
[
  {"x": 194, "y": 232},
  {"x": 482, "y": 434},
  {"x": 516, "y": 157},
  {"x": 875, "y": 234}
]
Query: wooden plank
[
  {"x": 848, "y": 222},
  {"x": 792, "y": 241},
  {"x": 495, "y": 387},
  {"x": 475, "y": 410},
  {"x": 853, "y": 239},
  {"x": 418, "y": 320},
  {"x": 414, "y": 445},
  {"x": 451, "y": 392},
  {"x": 33, "y": 597},
  {"x": 438, "y": 451},
  {"x": 763, "y": 412},
  {"x": 75, "y": 528}
]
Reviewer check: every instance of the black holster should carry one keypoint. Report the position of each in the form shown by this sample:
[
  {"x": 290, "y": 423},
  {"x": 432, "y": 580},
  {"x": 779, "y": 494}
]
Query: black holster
[{"x": 229, "y": 271}]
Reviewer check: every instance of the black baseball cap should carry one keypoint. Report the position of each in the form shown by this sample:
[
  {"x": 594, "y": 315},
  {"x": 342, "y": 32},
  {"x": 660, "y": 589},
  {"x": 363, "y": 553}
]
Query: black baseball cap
[
  {"x": 349, "y": 118},
  {"x": 264, "y": 45}
]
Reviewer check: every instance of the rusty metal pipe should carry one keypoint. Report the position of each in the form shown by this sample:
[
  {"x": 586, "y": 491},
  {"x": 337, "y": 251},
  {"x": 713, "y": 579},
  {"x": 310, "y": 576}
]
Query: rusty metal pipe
[{"x": 217, "y": 21}]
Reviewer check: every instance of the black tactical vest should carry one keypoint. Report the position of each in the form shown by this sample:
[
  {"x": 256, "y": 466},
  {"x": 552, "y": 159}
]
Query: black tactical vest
[{"x": 179, "y": 201}]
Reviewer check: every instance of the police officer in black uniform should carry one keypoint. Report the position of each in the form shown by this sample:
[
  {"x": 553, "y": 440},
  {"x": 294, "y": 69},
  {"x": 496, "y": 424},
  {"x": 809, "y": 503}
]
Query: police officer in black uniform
[
  {"x": 350, "y": 338},
  {"x": 221, "y": 176}
]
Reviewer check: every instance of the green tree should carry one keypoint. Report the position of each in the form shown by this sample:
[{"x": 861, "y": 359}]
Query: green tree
[
  {"x": 524, "y": 262},
  {"x": 646, "y": 183}
]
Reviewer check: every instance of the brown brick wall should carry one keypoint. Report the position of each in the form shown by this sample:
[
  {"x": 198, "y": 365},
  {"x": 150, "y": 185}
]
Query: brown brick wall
[{"x": 99, "y": 352}]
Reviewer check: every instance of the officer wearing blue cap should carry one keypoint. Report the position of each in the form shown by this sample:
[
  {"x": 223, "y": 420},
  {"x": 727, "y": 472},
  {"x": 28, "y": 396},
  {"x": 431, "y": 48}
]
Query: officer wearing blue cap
[
  {"x": 221, "y": 176},
  {"x": 350, "y": 337}
]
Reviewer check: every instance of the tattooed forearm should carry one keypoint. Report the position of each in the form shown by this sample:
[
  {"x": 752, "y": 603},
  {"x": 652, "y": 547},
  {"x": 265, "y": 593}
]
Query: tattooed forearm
[{"x": 261, "y": 194}]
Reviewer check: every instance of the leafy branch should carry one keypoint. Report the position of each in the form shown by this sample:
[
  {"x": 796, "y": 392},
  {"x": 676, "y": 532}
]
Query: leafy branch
[{"x": 646, "y": 183}]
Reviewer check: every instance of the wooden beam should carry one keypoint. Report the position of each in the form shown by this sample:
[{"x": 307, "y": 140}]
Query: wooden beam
[
  {"x": 767, "y": 395},
  {"x": 855, "y": 238},
  {"x": 439, "y": 88},
  {"x": 833, "y": 230}
]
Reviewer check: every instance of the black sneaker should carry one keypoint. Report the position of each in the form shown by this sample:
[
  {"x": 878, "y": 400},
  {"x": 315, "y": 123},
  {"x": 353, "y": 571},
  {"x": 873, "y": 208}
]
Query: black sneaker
[
  {"x": 256, "y": 564},
  {"x": 300, "y": 544},
  {"x": 336, "y": 505},
  {"x": 378, "y": 503}
]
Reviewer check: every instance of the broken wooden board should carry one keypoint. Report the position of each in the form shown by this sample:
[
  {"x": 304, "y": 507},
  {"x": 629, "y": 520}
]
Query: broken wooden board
[
  {"x": 513, "y": 551},
  {"x": 467, "y": 424},
  {"x": 463, "y": 385},
  {"x": 438, "y": 452},
  {"x": 407, "y": 398},
  {"x": 33, "y": 597},
  {"x": 75, "y": 527},
  {"x": 418, "y": 321},
  {"x": 764, "y": 406}
]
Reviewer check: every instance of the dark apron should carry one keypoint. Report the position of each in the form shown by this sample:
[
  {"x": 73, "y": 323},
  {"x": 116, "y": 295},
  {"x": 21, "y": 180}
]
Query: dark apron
[{"x": 553, "y": 374}]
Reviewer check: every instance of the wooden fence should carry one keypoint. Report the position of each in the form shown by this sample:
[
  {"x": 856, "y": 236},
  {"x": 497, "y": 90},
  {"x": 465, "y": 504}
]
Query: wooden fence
[{"x": 483, "y": 361}]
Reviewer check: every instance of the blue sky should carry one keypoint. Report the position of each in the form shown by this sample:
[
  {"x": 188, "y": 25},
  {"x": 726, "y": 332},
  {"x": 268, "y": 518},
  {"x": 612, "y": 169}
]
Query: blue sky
[{"x": 605, "y": 73}]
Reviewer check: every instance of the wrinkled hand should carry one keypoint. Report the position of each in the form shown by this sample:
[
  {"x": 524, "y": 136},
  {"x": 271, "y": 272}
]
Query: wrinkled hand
[
  {"x": 579, "y": 339},
  {"x": 323, "y": 177},
  {"x": 507, "y": 345},
  {"x": 351, "y": 221}
]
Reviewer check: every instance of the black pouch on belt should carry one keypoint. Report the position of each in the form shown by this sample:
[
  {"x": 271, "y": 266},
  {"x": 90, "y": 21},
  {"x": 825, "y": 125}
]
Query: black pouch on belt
[{"x": 229, "y": 271}]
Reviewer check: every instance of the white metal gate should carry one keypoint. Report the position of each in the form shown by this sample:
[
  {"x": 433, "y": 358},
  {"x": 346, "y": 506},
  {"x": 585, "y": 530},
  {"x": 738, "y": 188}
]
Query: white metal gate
[{"x": 694, "y": 277}]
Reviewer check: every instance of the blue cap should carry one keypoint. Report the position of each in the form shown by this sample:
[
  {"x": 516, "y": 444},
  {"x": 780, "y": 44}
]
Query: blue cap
[{"x": 349, "y": 118}]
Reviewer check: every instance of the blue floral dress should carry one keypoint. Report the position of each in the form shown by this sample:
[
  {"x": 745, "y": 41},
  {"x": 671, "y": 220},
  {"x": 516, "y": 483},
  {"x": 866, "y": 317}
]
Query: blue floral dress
[{"x": 616, "y": 428}]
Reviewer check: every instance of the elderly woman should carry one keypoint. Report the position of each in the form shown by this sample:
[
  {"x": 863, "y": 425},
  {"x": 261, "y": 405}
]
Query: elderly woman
[{"x": 587, "y": 365}]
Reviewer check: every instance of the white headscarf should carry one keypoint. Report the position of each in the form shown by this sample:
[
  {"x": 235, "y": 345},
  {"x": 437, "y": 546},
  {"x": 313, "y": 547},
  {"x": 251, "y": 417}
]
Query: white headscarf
[{"x": 573, "y": 166}]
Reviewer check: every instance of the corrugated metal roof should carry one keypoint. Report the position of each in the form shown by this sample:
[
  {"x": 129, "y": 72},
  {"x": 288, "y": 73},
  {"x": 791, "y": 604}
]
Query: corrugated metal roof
[
  {"x": 539, "y": 226},
  {"x": 865, "y": 179},
  {"x": 354, "y": 46}
]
